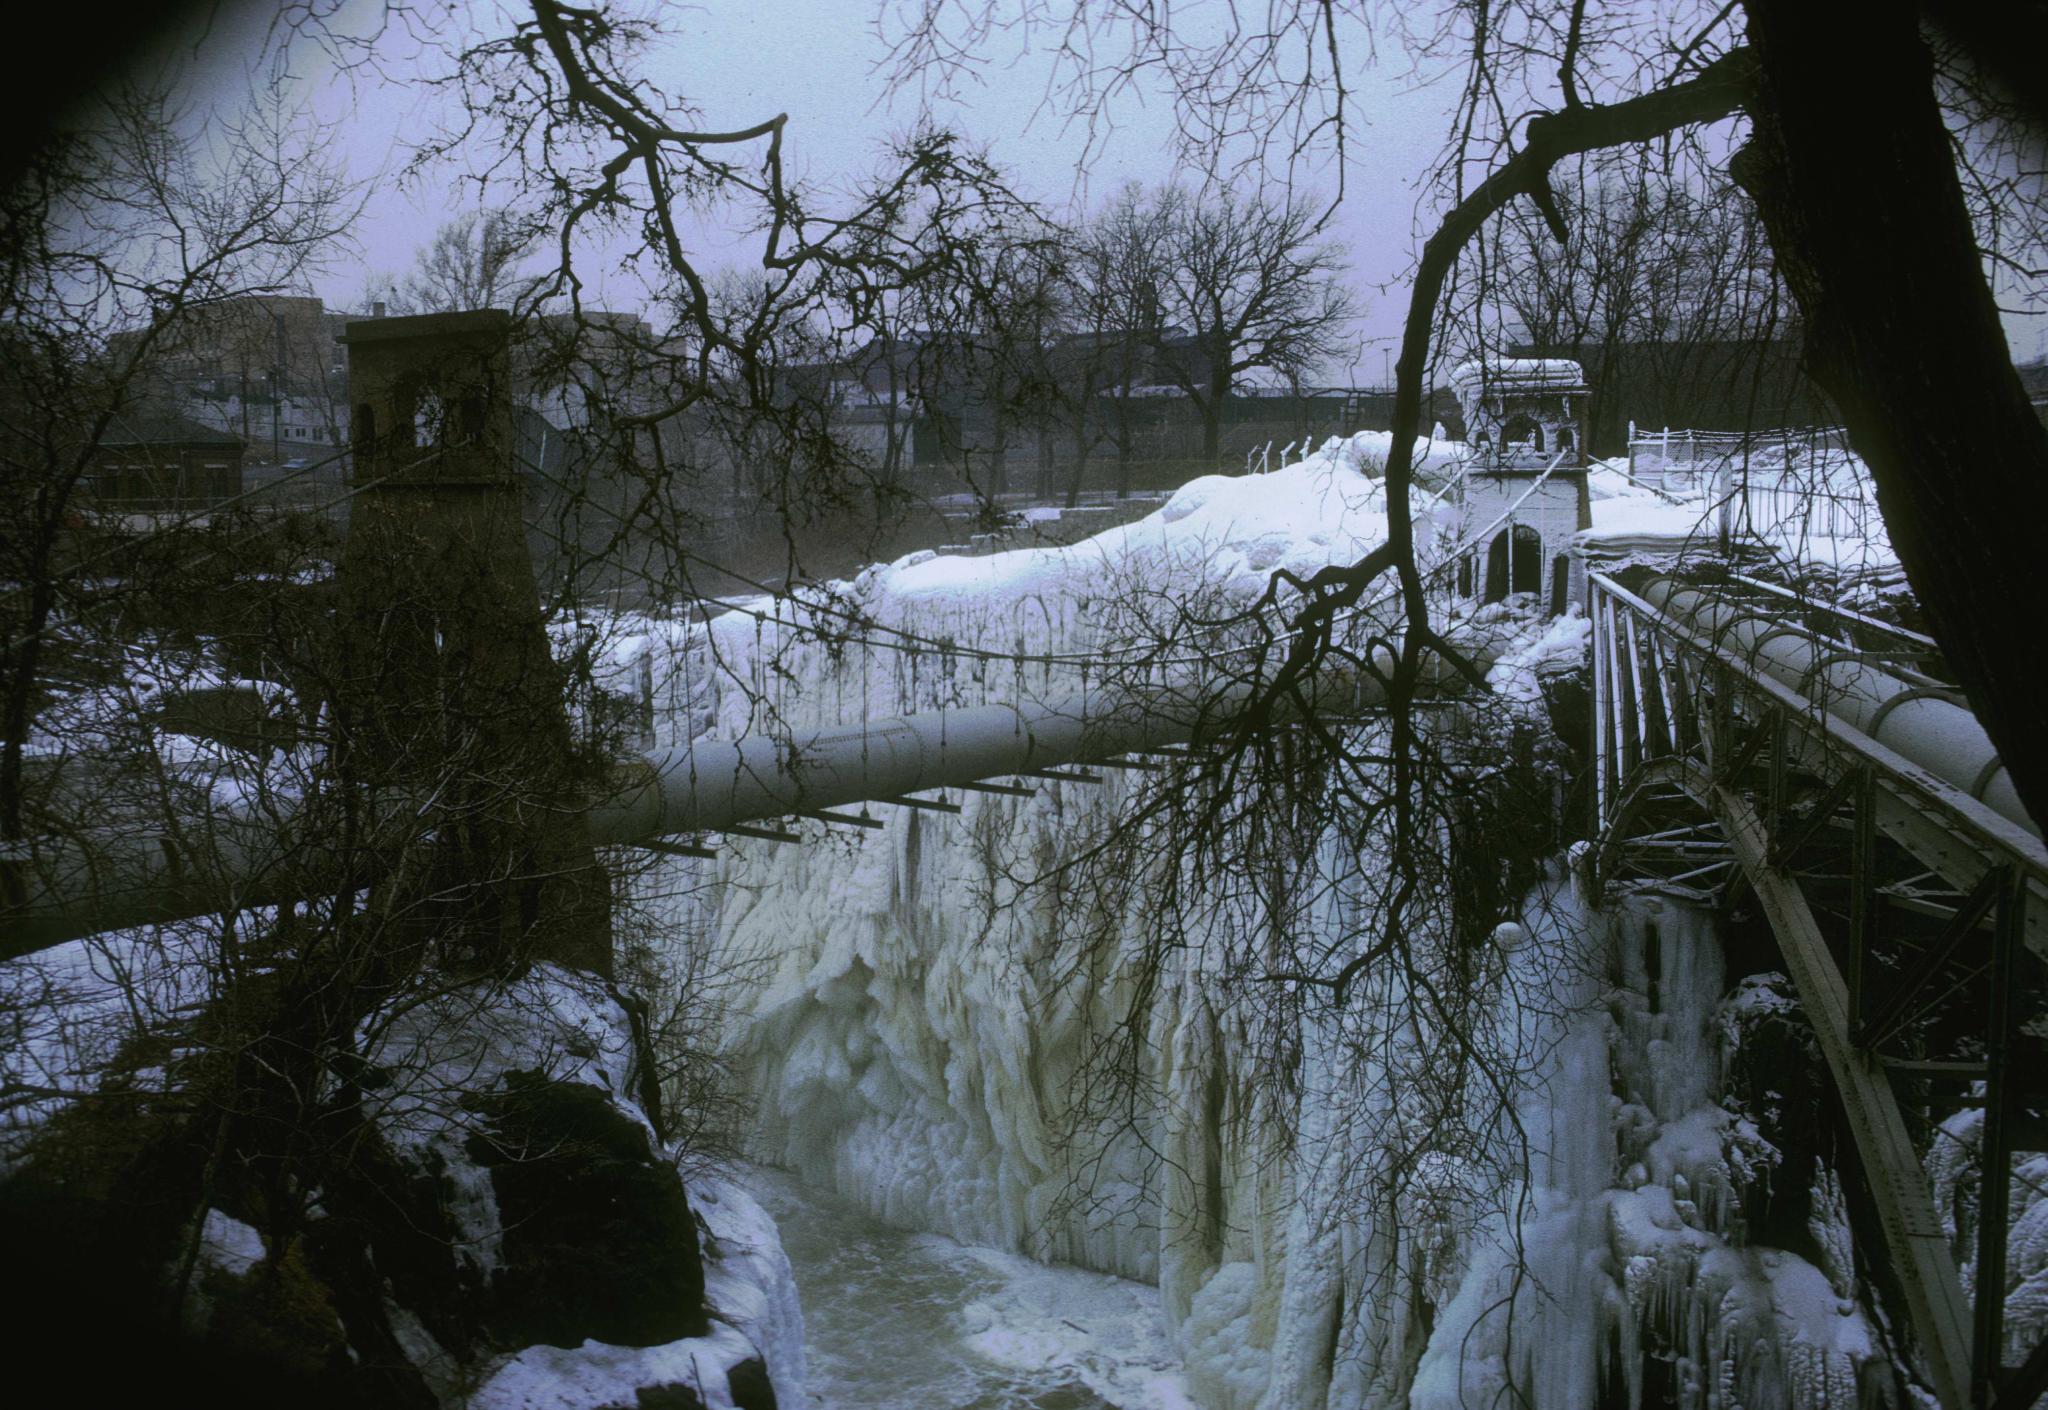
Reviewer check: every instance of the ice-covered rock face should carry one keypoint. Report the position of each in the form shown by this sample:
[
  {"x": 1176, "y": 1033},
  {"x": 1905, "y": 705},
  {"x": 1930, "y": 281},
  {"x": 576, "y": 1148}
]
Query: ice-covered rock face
[
  {"x": 918, "y": 1039},
  {"x": 1641, "y": 1282}
]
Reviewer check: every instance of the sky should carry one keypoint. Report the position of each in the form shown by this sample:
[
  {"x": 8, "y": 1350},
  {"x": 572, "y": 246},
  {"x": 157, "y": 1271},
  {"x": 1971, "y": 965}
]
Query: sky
[{"x": 821, "y": 62}]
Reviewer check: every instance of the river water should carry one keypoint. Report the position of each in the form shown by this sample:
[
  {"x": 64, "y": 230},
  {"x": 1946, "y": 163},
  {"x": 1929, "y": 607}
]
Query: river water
[{"x": 902, "y": 1321}]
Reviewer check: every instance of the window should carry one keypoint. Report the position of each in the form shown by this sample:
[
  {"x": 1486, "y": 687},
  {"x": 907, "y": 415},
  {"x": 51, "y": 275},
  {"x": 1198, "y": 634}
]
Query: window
[
  {"x": 1521, "y": 430},
  {"x": 429, "y": 419}
]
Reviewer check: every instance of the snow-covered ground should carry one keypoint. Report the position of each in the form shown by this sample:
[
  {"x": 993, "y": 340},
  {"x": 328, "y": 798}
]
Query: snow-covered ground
[{"x": 1814, "y": 516}]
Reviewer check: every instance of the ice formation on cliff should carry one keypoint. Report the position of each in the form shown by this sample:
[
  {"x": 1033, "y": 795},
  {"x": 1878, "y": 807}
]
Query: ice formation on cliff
[{"x": 907, "y": 1052}]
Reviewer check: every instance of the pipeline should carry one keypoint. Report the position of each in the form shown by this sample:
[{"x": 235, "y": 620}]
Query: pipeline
[
  {"x": 63, "y": 889},
  {"x": 1925, "y": 724}
]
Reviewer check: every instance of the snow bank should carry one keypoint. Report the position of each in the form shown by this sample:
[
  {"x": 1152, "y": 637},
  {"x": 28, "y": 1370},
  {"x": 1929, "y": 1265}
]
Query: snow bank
[
  {"x": 1820, "y": 515},
  {"x": 1126, "y": 593}
]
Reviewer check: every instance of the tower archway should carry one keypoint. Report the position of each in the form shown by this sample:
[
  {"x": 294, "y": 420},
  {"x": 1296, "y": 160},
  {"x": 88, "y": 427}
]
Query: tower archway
[{"x": 1514, "y": 562}]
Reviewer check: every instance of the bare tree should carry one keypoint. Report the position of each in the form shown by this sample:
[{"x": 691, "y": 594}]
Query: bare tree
[
  {"x": 473, "y": 261},
  {"x": 1893, "y": 154},
  {"x": 125, "y": 234},
  {"x": 1663, "y": 291},
  {"x": 1249, "y": 287},
  {"x": 1110, "y": 275},
  {"x": 1122, "y": 276}
]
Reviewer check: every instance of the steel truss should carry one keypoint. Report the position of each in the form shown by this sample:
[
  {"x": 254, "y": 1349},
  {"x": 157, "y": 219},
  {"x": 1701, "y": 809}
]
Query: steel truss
[{"x": 1713, "y": 778}]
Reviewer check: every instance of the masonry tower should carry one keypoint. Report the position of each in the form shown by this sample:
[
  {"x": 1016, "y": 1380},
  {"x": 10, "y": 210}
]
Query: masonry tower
[
  {"x": 450, "y": 703},
  {"x": 1525, "y": 482}
]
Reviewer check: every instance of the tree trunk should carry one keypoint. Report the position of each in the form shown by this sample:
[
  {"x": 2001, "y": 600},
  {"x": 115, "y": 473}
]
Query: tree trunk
[
  {"x": 1083, "y": 447},
  {"x": 1852, "y": 170},
  {"x": 1126, "y": 447},
  {"x": 1212, "y": 420}
]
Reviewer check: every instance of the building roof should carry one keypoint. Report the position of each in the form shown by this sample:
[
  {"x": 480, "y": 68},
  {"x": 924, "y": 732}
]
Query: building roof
[
  {"x": 468, "y": 323},
  {"x": 152, "y": 427},
  {"x": 1518, "y": 374}
]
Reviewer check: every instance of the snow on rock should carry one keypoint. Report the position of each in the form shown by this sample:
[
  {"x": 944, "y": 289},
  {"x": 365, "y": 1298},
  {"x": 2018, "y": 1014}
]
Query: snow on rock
[
  {"x": 755, "y": 1341},
  {"x": 1559, "y": 647},
  {"x": 713, "y": 1369},
  {"x": 506, "y": 1207},
  {"x": 535, "y": 1075},
  {"x": 748, "y": 1282},
  {"x": 228, "y": 1244}
]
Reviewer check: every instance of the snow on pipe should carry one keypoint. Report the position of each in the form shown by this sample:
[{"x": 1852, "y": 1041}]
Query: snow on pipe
[
  {"x": 66, "y": 888},
  {"x": 1923, "y": 724},
  {"x": 709, "y": 785}
]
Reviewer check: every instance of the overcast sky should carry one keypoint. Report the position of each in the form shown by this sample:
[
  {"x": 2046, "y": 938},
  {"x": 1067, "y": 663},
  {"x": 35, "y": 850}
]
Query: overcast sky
[{"x": 818, "y": 60}]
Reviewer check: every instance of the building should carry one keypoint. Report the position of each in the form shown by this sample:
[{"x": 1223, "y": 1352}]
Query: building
[
  {"x": 268, "y": 369},
  {"x": 283, "y": 426},
  {"x": 1525, "y": 478},
  {"x": 152, "y": 460}
]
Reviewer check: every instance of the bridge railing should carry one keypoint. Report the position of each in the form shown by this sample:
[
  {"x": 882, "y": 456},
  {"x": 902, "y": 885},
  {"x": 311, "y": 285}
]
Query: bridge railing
[
  {"x": 1663, "y": 687},
  {"x": 1800, "y": 484}
]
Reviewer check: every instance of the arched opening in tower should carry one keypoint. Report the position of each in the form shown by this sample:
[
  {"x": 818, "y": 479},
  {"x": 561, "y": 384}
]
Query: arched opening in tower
[
  {"x": 1514, "y": 562},
  {"x": 1521, "y": 430}
]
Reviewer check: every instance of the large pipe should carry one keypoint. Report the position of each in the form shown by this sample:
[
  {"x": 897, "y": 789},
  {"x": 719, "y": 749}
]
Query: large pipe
[
  {"x": 68, "y": 888},
  {"x": 1925, "y": 725}
]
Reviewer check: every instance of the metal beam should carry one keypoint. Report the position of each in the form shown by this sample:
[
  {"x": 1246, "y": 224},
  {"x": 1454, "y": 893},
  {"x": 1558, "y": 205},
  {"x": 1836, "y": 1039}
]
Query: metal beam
[
  {"x": 1937, "y": 1310},
  {"x": 928, "y": 805},
  {"x": 674, "y": 849},
  {"x": 1950, "y": 831},
  {"x": 1801, "y": 832},
  {"x": 765, "y": 834},
  {"x": 1994, "y": 1200},
  {"x": 1891, "y": 1015},
  {"x": 842, "y": 819}
]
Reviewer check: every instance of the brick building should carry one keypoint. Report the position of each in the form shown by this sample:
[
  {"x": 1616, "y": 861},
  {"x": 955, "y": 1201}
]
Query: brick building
[{"x": 159, "y": 460}]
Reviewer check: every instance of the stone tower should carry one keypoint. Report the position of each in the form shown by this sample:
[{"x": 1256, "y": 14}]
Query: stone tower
[
  {"x": 450, "y": 707},
  {"x": 1525, "y": 481}
]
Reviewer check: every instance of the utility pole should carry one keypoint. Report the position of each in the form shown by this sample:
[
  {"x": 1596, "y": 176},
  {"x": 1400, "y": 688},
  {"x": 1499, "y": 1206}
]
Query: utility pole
[{"x": 277, "y": 366}]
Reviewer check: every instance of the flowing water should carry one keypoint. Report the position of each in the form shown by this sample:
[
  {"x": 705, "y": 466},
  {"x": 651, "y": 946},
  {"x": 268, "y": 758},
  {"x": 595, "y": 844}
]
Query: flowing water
[{"x": 902, "y": 1321}]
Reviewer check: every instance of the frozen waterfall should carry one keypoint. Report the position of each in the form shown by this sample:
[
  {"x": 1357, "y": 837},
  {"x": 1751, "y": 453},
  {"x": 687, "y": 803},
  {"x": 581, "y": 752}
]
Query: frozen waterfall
[{"x": 916, "y": 1032}]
